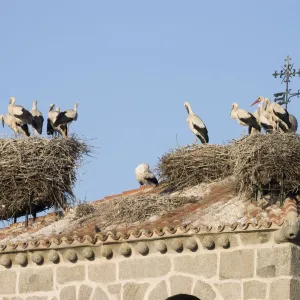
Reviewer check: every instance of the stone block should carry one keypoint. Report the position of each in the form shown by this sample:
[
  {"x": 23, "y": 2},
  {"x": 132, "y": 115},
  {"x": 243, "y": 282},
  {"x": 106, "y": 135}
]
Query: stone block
[
  {"x": 68, "y": 293},
  {"x": 237, "y": 264},
  {"x": 295, "y": 263},
  {"x": 200, "y": 264},
  {"x": 114, "y": 288},
  {"x": 8, "y": 282},
  {"x": 37, "y": 298},
  {"x": 230, "y": 291},
  {"x": 285, "y": 289},
  {"x": 255, "y": 289},
  {"x": 257, "y": 237},
  {"x": 85, "y": 292},
  {"x": 144, "y": 268},
  {"x": 272, "y": 262},
  {"x": 134, "y": 291},
  {"x": 159, "y": 292},
  {"x": 99, "y": 294},
  {"x": 204, "y": 291},
  {"x": 36, "y": 280},
  {"x": 69, "y": 274},
  {"x": 104, "y": 272},
  {"x": 180, "y": 285}
]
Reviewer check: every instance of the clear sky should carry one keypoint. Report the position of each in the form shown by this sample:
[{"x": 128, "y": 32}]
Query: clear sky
[{"x": 132, "y": 64}]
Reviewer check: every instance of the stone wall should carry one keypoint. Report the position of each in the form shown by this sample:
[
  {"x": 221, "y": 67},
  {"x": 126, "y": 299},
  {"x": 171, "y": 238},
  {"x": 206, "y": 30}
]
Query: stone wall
[{"x": 229, "y": 266}]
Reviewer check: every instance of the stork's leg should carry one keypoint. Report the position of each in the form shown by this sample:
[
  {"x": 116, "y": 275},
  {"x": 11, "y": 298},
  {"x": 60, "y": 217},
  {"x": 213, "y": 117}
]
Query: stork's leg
[
  {"x": 26, "y": 217},
  {"x": 15, "y": 219}
]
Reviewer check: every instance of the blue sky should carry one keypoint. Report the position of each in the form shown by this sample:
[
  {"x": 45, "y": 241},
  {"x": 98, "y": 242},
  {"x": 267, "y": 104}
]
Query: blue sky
[{"x": 132, "y": 64}]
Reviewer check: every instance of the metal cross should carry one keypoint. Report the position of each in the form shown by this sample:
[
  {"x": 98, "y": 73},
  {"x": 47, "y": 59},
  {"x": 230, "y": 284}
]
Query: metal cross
[{"x": 286, "y": 73}]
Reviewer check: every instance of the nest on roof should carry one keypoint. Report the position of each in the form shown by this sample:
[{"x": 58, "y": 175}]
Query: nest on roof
[
  {"x": 38, "y": 169},
  {"x": 131, "y": 209},
  {"x": 195, "y": 164},
  {"x": 267, "y": 159}
]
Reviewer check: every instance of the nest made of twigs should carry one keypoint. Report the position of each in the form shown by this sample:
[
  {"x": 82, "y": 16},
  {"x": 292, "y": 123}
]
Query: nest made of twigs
[
  {"x": 267, "y": 158},
  {"x": 263, "y": 159},
  {"x": 40, "y": 169},
  {"x": 131, "y": 209},
  {"x": 192, "y": 165}
]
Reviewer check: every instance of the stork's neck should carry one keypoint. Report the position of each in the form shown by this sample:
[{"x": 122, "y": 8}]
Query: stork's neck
[
  {"x": 75, "y": 107},
  {"x": 34, "y": 105}
]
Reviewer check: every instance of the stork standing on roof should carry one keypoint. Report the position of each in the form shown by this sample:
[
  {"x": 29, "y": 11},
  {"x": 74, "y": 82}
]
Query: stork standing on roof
[
  {"x": 10, "y": 121},
  {"x": 144, "y": 175},
  {"x": 196, "y": 125},
  {"x": 22, "y": 115},
  {"x": 37, "y": 117},
  {"x": 67, "y": 117},
  {"x": 245, "y": 118}
]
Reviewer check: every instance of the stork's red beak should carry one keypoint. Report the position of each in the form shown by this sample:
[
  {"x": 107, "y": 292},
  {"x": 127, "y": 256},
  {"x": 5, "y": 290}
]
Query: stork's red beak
[{"x": 256, "y": 101}]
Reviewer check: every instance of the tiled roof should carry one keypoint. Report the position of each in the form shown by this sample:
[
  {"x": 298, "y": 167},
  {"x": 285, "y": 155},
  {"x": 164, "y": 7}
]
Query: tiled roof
[{"x": 218, "y": 210}]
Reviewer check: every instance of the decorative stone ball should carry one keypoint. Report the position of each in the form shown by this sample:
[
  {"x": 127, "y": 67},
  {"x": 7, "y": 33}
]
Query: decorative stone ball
[
  {"x": 37, "y": 258},
  {"x": 142, "y": 248},
  {"x": 106, "y": 251},
  {"x": 125, "y": 250},
  {"x": 21, "y": 259},
  {"x": 161, "y": 247},
  {"x": 5, "y": 260},
  {"x": 71, "y": 255},
  {"x": 53, "y": 256},
  {"x": 208, "y": 242},
  {"x": 191, "y": 244},
  {"x": 88, "y": 253},
  {"x": 224, "y": 241},
  {"x": 177, "y": 245}
]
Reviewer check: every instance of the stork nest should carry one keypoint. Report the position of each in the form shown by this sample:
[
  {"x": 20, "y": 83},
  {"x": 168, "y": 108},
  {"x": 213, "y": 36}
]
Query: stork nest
[
  {"x": 195, "y": 164},
  {"x": 41, "y": 170},
  {"x": 263, "y": 159},
  {"x": 267, "y": 159},
  {"x": 129, "y": 210}
]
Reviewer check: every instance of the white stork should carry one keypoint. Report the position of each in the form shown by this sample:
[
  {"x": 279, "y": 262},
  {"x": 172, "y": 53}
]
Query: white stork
[
  {"x": 245, "y": 118},
  {"x": 144, "y": 175},
  {"x": 263, "y": 118},
  {"x": 66, "y": 117},
  {"x": 37, "y": 117},
  {"x": 22, "y": 115},
  {"x": 10, "y": 121},
  {"x": 277, "y": 112},
  {"x": 196, "y": 125},
  {"x": 51, "y": 129}
]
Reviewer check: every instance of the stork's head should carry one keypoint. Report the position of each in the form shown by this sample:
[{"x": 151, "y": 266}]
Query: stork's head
[
  {"x": 234, "y": 106},
  {"x": 75, "y": 106},
  {"x": 51, "y": 107},
  {"x": 258, "y": 100},
  {"x": 12, "y": 100},
  {"x": 57, "y": 109},
  {"x": 187, "y": 107}
]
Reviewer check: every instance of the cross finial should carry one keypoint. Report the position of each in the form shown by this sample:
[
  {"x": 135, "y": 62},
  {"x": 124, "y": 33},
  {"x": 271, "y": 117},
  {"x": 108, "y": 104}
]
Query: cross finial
[{"x": 288, "y": 58}]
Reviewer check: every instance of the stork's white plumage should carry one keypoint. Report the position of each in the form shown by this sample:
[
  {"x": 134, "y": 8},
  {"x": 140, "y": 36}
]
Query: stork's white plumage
[
  {"x": 277, "y": 112},
  {"x": 196, "y": 125},
  {"x": 144, "y": 175},
  {"x": 22, "y": 115},
  {"x": 245, "y": 118},
  {"x": 264, "y": 119},
  {"x": 10, "y": 121},
  {"x": 51, "y": 129},
  {"x": 37, "y": 117},
  {"x": 66, "y": 117}
]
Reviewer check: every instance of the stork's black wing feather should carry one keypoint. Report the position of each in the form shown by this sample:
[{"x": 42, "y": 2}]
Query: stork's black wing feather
[
  {"x": 251, "y": 122},
  {"x": 284, "y": 117},
  {"x": 203, "y": 133},
  {"x": 38, "y": 123},
  {"x": 50, "y": 130}
]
